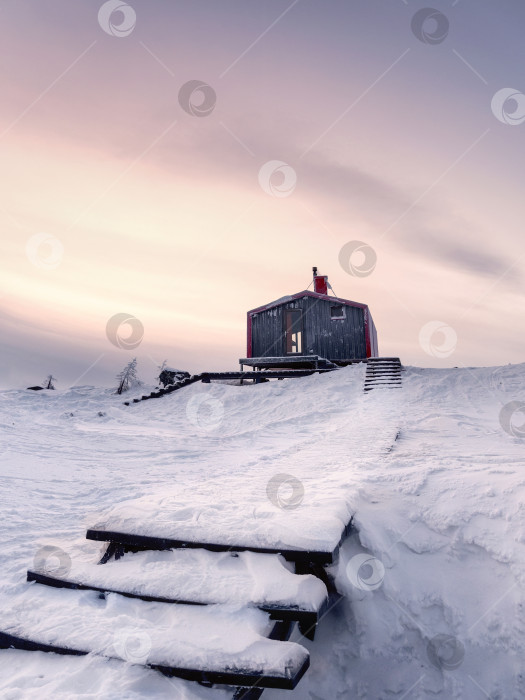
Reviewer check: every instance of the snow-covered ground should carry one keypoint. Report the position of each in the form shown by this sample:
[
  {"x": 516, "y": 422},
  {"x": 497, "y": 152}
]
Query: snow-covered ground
[{"x": 432, "y": 577}]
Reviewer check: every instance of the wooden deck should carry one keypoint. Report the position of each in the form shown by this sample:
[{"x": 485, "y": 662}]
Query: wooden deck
[{"x": 288, "y": 362}]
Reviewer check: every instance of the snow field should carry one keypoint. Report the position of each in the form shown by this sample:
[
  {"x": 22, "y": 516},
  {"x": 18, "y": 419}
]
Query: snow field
[{"x": 432, "y": 577}]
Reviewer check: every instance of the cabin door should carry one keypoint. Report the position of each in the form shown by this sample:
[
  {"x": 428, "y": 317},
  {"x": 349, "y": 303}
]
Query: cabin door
[{"x": 293, "y": 331}]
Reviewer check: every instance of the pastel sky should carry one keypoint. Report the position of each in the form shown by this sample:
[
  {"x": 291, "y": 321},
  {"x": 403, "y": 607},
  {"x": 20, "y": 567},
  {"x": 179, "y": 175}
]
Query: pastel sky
[{"x": 116, "y": 199}]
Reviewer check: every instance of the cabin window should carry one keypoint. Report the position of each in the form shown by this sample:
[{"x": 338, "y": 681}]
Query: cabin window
[
  {"x": 294, "y": 331},
  {"x": 337, "y": 312}
]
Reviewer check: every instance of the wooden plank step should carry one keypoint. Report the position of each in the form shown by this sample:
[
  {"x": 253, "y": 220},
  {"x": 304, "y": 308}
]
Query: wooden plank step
[
  {"x": 377, "y": 385},
  {"x": 383, "y": 381},
  {"x": 369, "y": 387},
  {"x": 380, "y": 363},
  {"x": 198, "y": 577},
  {"x": 383, "y": 367},
  {"x": 385, "y": 386},
  {"x": 219, "y": 644},
  {"x": 378, "y": 382},
  {"x": 186, "y": 381},
  {"x": 131, "y": 541},
  {"x": 383, "y": 373},
  {"x": 383, "y": 361},
  {"x": 386, "y": 377},
  {"x": 379, "y": 368},
  {"x": 311, "y": 533}
]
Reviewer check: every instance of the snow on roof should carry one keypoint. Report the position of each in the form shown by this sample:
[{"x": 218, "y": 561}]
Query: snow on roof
[{"x": 306, "y": 293}]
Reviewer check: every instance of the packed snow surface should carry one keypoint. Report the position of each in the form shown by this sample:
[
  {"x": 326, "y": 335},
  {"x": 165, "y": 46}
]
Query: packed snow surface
[{"x": 432, "y": 577}]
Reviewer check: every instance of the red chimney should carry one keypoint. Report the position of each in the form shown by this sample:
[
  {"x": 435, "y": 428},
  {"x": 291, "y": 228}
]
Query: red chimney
[{"x": 320, "y": 282}]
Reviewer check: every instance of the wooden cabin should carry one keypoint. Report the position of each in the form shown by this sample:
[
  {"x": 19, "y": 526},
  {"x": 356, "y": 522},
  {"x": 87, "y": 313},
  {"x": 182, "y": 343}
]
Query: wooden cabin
[{"x": 310, "y": 329}]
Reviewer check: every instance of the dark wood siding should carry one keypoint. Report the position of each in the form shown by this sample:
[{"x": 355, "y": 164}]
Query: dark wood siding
[
  {"x": 334, "y": 339},
  {"x": 267, "y": 333}
]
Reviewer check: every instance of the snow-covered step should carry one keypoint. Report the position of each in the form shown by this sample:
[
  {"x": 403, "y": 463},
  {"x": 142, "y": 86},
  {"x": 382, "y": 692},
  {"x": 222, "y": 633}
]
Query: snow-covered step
[
  {"x": 167, "y": 389},
  {"x": 131, "y": 540},
  {"x": 383, "y": 372},
  {"x": 370, "y": 387},
  {"x": 198, "y": 577},
  {"x": 311, "y": 532},
  {"x": 212, "y": 644},
  {"x": 387, "y": 382},
  {"x": 383, "y": 382},
  {"x": 383, "y": 367}
]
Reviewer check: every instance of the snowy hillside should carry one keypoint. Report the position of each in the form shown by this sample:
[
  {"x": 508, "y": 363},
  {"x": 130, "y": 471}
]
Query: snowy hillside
[{"x": 432, "y": 577}]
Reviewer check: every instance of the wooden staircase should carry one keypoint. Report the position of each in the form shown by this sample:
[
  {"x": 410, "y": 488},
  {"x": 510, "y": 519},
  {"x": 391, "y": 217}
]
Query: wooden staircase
[
  {"x": 251, "y": 376},
  {"x": 167, "y": 389},
  {"x": 383, "y": 372},
  {"x": 162, "y": 591}
]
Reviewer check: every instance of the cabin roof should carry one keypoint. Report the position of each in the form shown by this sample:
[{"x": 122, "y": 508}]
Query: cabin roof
[{"x": 306, "y": 293}]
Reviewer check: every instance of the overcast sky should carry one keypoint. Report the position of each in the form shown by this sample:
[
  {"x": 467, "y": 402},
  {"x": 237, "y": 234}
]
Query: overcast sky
[{"x": 179, "y": 163}]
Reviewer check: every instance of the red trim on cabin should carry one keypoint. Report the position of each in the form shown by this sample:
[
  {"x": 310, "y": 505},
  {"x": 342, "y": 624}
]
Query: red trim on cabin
[
  {"x": 249, "y": 339},
  {"x": 366, "y": 315}
]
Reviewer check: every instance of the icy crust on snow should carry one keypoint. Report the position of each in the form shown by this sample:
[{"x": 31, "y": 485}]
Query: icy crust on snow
[
  {"x": 199, "y": 576},
  {"x": 208, "y": 638}
]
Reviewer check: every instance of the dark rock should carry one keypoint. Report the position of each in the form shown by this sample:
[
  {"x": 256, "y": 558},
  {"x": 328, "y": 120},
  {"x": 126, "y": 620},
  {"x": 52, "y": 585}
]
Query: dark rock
[{"x": 171, "y": 376}]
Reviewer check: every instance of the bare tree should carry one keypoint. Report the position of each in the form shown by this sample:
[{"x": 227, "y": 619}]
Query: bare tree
[
  {"x": 161, "y": 369},
  {"x": 128, "y": 377},
  {"x": 48, "y": 382}
]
